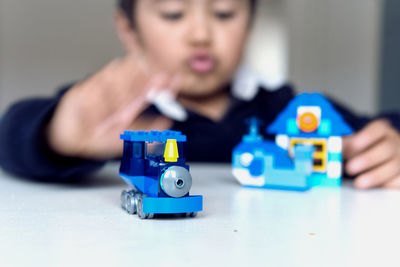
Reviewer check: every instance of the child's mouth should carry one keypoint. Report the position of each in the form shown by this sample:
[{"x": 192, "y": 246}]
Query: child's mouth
[{"x": 202, "y": 63}]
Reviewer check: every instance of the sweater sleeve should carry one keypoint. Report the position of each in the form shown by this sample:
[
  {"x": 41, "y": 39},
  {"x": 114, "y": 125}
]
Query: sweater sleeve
[{"x": 24, "y": 150}]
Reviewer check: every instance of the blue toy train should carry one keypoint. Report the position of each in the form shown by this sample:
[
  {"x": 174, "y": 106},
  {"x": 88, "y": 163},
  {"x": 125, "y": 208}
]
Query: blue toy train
[{"x": 154, "y": 166}]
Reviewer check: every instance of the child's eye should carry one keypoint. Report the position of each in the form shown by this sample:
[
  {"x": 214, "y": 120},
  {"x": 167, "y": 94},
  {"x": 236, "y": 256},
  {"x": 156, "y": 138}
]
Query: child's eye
[
  {"x": 172, "y": 16},
  {"x": 224, "y": 15}
]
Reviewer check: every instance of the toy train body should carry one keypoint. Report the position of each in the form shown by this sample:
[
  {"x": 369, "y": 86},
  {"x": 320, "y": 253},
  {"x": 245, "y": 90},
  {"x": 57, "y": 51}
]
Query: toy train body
[{"x": 154, "y": 167}]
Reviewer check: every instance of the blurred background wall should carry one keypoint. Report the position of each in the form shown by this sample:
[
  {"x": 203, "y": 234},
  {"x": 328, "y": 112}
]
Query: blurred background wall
[
  {"x": 334, "y": 48},
  {"x": 46, "y": 43},
  {"x": 320, "y": 45},
  {"x": 389, "y": 81}
]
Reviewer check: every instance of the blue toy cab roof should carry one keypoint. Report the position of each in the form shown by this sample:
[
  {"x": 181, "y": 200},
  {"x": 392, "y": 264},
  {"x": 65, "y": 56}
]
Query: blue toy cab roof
[
  {"x": 339, "y": 125},
  {"x": 152, "y": 136}
]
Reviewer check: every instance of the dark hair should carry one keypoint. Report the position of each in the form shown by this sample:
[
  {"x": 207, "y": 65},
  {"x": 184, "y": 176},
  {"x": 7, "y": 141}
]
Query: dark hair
[{"x": 128, "y": 7}]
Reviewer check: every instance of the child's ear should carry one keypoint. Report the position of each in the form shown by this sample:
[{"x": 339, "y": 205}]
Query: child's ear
[{"x": 126, "y": 33}]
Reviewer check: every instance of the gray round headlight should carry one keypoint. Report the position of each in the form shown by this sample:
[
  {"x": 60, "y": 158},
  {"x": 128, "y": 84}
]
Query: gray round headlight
[{"x": 176, "y": 181}]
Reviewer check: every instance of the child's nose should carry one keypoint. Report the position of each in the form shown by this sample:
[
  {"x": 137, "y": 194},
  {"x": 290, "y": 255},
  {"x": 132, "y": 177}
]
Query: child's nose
[{"x": 200, "y": 32}]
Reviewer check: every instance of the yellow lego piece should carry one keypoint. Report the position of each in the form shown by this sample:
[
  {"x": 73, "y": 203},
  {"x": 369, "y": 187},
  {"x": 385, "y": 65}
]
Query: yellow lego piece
[{"x": 171, "y": 151}]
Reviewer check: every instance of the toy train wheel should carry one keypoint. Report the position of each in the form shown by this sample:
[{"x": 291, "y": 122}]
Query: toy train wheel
[
  {"x": 140, "y": 213},
  {"x": 191, "y": 214},
  {"x": 131, "y": 203},
  {"x": 123, "y": 199}
]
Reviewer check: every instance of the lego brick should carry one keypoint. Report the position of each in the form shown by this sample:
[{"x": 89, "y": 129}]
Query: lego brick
[
  {"x": 145, "y": 184},
  {"x": 287, "y": 179},
  {"x": 335, "y": 144},
  {"x": 321, "y": 180},
  {"x": 328, "y": 113},
  {"x": 325, "y": 128},
  {"x": 334, "y": 170},
  {"x": 256, "y": 167},
  {"x": 263, "y": 172},
  {"x": 308, "y": 118},
  {"x": 304, "y": 188},
  {"x": 282, "y": 141},
  {"x": 291, "y": 127},
  {"x": 152, "y": 136},
  {"x": 245, "y": 179},
  {"x": 254, "y": 133},
  {"x": 158, "y": 205},
  {"x": 282, "y": 159},
  {"x": 335, "y": 157}
]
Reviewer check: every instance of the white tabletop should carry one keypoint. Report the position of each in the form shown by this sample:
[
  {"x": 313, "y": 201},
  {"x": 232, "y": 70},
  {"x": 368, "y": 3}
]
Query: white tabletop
[{"x": 83, "y": 225}]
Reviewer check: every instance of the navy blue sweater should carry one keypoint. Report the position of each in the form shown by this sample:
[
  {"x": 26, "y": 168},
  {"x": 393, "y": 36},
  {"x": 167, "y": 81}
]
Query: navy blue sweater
[{"x": 25, "y": 152}]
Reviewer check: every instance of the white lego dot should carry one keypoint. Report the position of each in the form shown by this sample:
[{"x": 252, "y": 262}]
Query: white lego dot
[
  {"x": 334, "y": 170},
  {"x": 312, "y": 109},
  {"x": 282, "y": 141},
  {"x": 246, "y": 159},
  {"x": 244, "y": 178},
  {"x": 335, "y": 144}
]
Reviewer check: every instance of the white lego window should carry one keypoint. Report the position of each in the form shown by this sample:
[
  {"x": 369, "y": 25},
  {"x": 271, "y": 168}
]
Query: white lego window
[
  {"x": 282, "y": 141},
  {"x": 334, "y": 169},
  {"x": 335, "y": 144}
]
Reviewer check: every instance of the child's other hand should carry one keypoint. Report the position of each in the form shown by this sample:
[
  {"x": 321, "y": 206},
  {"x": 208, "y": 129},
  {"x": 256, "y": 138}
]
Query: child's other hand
[
  {"x": 91, "y": 115},
  {"x": 373, "y": 155}
]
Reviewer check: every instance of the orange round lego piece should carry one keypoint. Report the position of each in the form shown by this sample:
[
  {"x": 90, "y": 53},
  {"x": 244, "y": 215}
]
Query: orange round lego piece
[{"x": 308, "y": 122}]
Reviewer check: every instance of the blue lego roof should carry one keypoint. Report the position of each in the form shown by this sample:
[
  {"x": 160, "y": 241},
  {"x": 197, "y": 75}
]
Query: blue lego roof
[
  {"x": 152, "y": 136},
  {"x": 339, "y": 125}
]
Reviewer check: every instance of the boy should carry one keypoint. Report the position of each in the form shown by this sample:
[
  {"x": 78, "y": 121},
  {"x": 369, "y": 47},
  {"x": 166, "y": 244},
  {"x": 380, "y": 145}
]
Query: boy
[{"x": 192, "y": 48}]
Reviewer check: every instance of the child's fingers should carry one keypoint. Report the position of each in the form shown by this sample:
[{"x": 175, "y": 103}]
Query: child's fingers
[
  {"x": 143, "y": 62},
  {"x": 165, "y": 82},
  {"x": 135, "y": 77},
  {"x": 393, "y": 183},
  {"x": 151, "y": 122},
  {"x": 362, "y": 140},
  {"x": 119, "y": 120},
  {"x": 110, "y": 67},
  {"x": 158, "y": 83},
  {"x": 136, "y": 61},
  {"x": 373, "y": 156},
  {"x": 379, "y": 176},
  {"x": 175, "y": 84},
  {"x": 132, "y": 107},
  {"x": 139, "y": 102},
  {"x": 131, "y": 82},
  {"x": 157, "y": 123},
  {"x": 160, "y": 123},
  {"x": 165, "y": 100}
]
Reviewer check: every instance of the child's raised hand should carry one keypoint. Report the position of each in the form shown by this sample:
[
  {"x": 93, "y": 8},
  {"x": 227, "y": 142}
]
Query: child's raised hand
[
  {"x": 92, "y": 114},
  {"x": 373, "y": 155}
]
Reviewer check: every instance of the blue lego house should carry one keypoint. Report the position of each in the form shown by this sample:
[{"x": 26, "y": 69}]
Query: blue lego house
[
  {"x": 311, "y": 119},
  {"x": 307, "y": 150}
]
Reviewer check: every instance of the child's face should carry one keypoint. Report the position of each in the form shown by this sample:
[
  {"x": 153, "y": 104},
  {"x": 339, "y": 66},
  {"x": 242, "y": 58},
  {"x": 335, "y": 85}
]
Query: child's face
[{"x": 202, "y": 39}]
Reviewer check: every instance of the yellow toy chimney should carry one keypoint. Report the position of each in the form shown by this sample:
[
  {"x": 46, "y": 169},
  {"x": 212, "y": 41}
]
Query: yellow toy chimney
[{"x": 171, "y": 151}]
